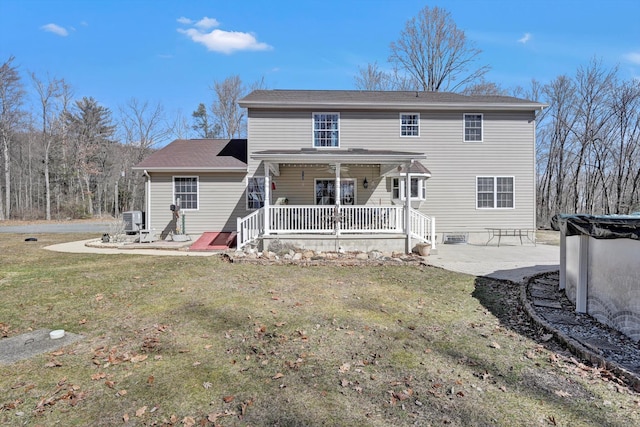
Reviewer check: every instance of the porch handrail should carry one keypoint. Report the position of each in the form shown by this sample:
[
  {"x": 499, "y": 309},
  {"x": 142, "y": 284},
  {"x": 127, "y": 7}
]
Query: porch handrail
[
  {"x": 314, "y": 219},
  {"x": 423, "y": 227},
  {"x": 250, "y": 228}
]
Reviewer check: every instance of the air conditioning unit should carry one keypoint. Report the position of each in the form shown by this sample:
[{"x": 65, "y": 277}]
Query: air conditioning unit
[{"x": 133, "y": 221}]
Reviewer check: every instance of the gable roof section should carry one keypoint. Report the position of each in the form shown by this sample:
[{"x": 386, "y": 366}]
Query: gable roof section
[
  {"x": 376, "y": 100},
  {"x": 205, "y": 155}
]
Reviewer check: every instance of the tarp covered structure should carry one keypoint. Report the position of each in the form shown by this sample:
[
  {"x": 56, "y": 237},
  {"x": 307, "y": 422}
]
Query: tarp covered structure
[{"x": 601, "y": 226}]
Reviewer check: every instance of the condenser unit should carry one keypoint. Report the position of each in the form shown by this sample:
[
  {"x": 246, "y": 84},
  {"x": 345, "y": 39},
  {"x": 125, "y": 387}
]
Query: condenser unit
[{"x": 133, "y": 221}]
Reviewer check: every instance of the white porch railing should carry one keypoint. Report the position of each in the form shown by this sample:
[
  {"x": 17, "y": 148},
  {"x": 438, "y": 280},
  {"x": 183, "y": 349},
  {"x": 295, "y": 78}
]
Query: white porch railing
[
  {"x": 423, "y": 227},
  {"x": 331, "y": 220},
  {"x": 250, "y": 228}
]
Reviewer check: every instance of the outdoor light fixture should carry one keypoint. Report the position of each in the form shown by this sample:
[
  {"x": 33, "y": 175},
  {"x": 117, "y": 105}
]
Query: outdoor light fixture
[{"x": 365, "y": 183}]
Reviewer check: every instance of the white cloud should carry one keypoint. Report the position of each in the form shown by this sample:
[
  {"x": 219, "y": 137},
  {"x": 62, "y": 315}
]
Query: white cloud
[
  {"x": 224, "y": 41},
  {"x": 525, "y": 38},
  {"x": 207, "y": 23},
  {"x": 55, "y": 29},
  {"x": 185, "y": 21},
  {"x": 633, "y": 57}
]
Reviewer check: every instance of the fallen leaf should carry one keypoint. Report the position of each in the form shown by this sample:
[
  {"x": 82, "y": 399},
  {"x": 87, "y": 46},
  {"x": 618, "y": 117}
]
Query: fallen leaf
[
  {"x": 140, "y": 412},
  {"x": 125, "y": 418},
  {"x": 345, "y": 367},
  {"x": 82, "y": 322},
  {"x": 562, "y": 393},
  {"x": 188, "y": 421},
  {"x": 278, "y": 376},
  {"x": 207, "y": 385},
  {"x": 151, "y": 379},
  {"x": 109, "y": 384},
  {"x": 139, "y": 358},
  {"x": 495, "y": 345},
  {"x": 98, "y": 376},
  {"x": 99, "y": 297},
  {"x": 122, "y": 392},
  {"x": 228, "y": 399}
]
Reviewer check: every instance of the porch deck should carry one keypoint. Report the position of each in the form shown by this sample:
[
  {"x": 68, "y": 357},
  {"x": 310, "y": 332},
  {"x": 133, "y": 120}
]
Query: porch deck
[{"x": 339, "y": 227}]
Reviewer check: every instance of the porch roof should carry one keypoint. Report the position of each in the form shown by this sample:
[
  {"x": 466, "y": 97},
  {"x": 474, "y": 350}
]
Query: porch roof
[{"x": 352, "y": 155}]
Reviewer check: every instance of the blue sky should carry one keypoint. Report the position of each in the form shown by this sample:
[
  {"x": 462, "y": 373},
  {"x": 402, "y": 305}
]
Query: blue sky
[{"x": 172, "y": 51}]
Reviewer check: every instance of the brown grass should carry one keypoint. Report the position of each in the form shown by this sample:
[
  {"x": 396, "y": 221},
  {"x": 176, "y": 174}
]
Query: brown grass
[{"x": 171, "y": 341}]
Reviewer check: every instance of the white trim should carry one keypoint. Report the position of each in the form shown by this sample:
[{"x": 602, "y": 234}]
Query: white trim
[
  {"x": 173, "y": 182},
  {"x": 495, "y": 192},
  {"x": 419, "y": 124},
  {"x": 464, "y": 127},
  {"x": 422, "y": 186},
  {"x": 313, "y": 130},
  {"x": 342, "y": 181},
  {"x": 246, "y": 187}
]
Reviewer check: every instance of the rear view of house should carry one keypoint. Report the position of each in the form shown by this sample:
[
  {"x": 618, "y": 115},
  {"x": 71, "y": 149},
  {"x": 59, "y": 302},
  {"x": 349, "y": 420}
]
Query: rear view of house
[{"x": 356, "y": 170}]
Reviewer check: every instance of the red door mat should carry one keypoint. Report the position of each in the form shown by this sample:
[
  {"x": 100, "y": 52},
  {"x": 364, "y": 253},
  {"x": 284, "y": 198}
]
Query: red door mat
[{"x": 214, "y": 241}]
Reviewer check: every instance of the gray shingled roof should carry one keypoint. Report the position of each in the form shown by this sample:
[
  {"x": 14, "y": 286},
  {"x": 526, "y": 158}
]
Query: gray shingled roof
[
  {"x": 198, "y": 155},
  {"x": 361, "y": 99}
]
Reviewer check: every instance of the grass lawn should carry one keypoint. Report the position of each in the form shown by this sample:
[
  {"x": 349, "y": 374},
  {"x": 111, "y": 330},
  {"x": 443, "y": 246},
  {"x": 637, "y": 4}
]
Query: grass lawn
[{"x": 199, "y": 341}]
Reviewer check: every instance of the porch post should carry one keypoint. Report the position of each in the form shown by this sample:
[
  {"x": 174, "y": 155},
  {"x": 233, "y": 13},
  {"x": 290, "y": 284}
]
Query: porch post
[
  {"x": 267, "y": 198},
  {"x": 407, "y": 207},
  {"x": 338, "y": 198}
]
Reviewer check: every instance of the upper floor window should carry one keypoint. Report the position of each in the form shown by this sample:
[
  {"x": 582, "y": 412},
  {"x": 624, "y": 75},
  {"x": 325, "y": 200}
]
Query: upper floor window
[
  {"x": 326, "y": 129},
  {"x": 255, "y": 193},
  {"x": 409, "y": 124},
  {"x": 473, "y": 128},
  {"x": 494, "y": 192},
  {"x": 185, "y": 191}
]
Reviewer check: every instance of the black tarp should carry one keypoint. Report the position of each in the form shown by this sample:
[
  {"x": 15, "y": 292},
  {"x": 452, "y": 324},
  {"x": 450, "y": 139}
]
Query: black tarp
[{"x": 601, "y": 226}]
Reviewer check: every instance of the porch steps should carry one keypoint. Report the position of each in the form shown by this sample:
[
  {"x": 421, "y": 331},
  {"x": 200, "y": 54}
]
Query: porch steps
[{"x": 214, "y": 241}]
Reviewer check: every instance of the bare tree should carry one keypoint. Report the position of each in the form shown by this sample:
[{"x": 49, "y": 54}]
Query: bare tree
[
  {"x": 144, "y": 126},
  {"x": 229, "y": 118},
  {"x": 11, "y": 99},
  {"x": 483, "y": 87},
  {"x": 228, "y": 114},
  {"x": 47, "y": 93},
  {"x": 372, "y": 78},
  {"x": 433, "y": 50}
]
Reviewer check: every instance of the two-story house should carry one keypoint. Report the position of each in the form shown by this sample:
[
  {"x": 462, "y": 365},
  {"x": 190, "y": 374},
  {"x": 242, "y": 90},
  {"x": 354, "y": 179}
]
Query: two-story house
[{"x": 331, "y": 170}]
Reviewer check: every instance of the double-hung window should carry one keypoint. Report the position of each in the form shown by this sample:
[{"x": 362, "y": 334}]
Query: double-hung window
[
  {"x": 495, "y": 192},
  {"x": 409, "y": 124},
  {"x": 326, "y": 130},
  {"x": 473, "y": 127},
  {"x": 418, "y": 188},
  {"x": 185, "y": 190},
  {"x": 255, "y": 193}
]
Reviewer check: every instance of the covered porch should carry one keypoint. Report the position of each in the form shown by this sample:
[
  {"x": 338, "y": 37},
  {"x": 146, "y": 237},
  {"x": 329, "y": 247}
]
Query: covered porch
[{"x": 338, "y": 200}]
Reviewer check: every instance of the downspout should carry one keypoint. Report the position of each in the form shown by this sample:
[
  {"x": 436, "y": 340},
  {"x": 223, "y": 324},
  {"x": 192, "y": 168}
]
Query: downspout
[{"x": 147, "y": 202}]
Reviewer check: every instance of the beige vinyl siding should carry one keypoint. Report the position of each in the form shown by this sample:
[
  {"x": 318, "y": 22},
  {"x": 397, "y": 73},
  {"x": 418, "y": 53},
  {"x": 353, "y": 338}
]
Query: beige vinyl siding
[
  {"x": 301, "y": 191},
  {"x": 221, "y": 201},
  {"x": 507, "y": 149}
]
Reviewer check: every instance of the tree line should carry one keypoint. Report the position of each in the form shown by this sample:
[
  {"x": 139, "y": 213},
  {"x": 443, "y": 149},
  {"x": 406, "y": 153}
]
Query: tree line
[
  {"x": 68, "y": 158},
  {"x": 64, "y": 157}
]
